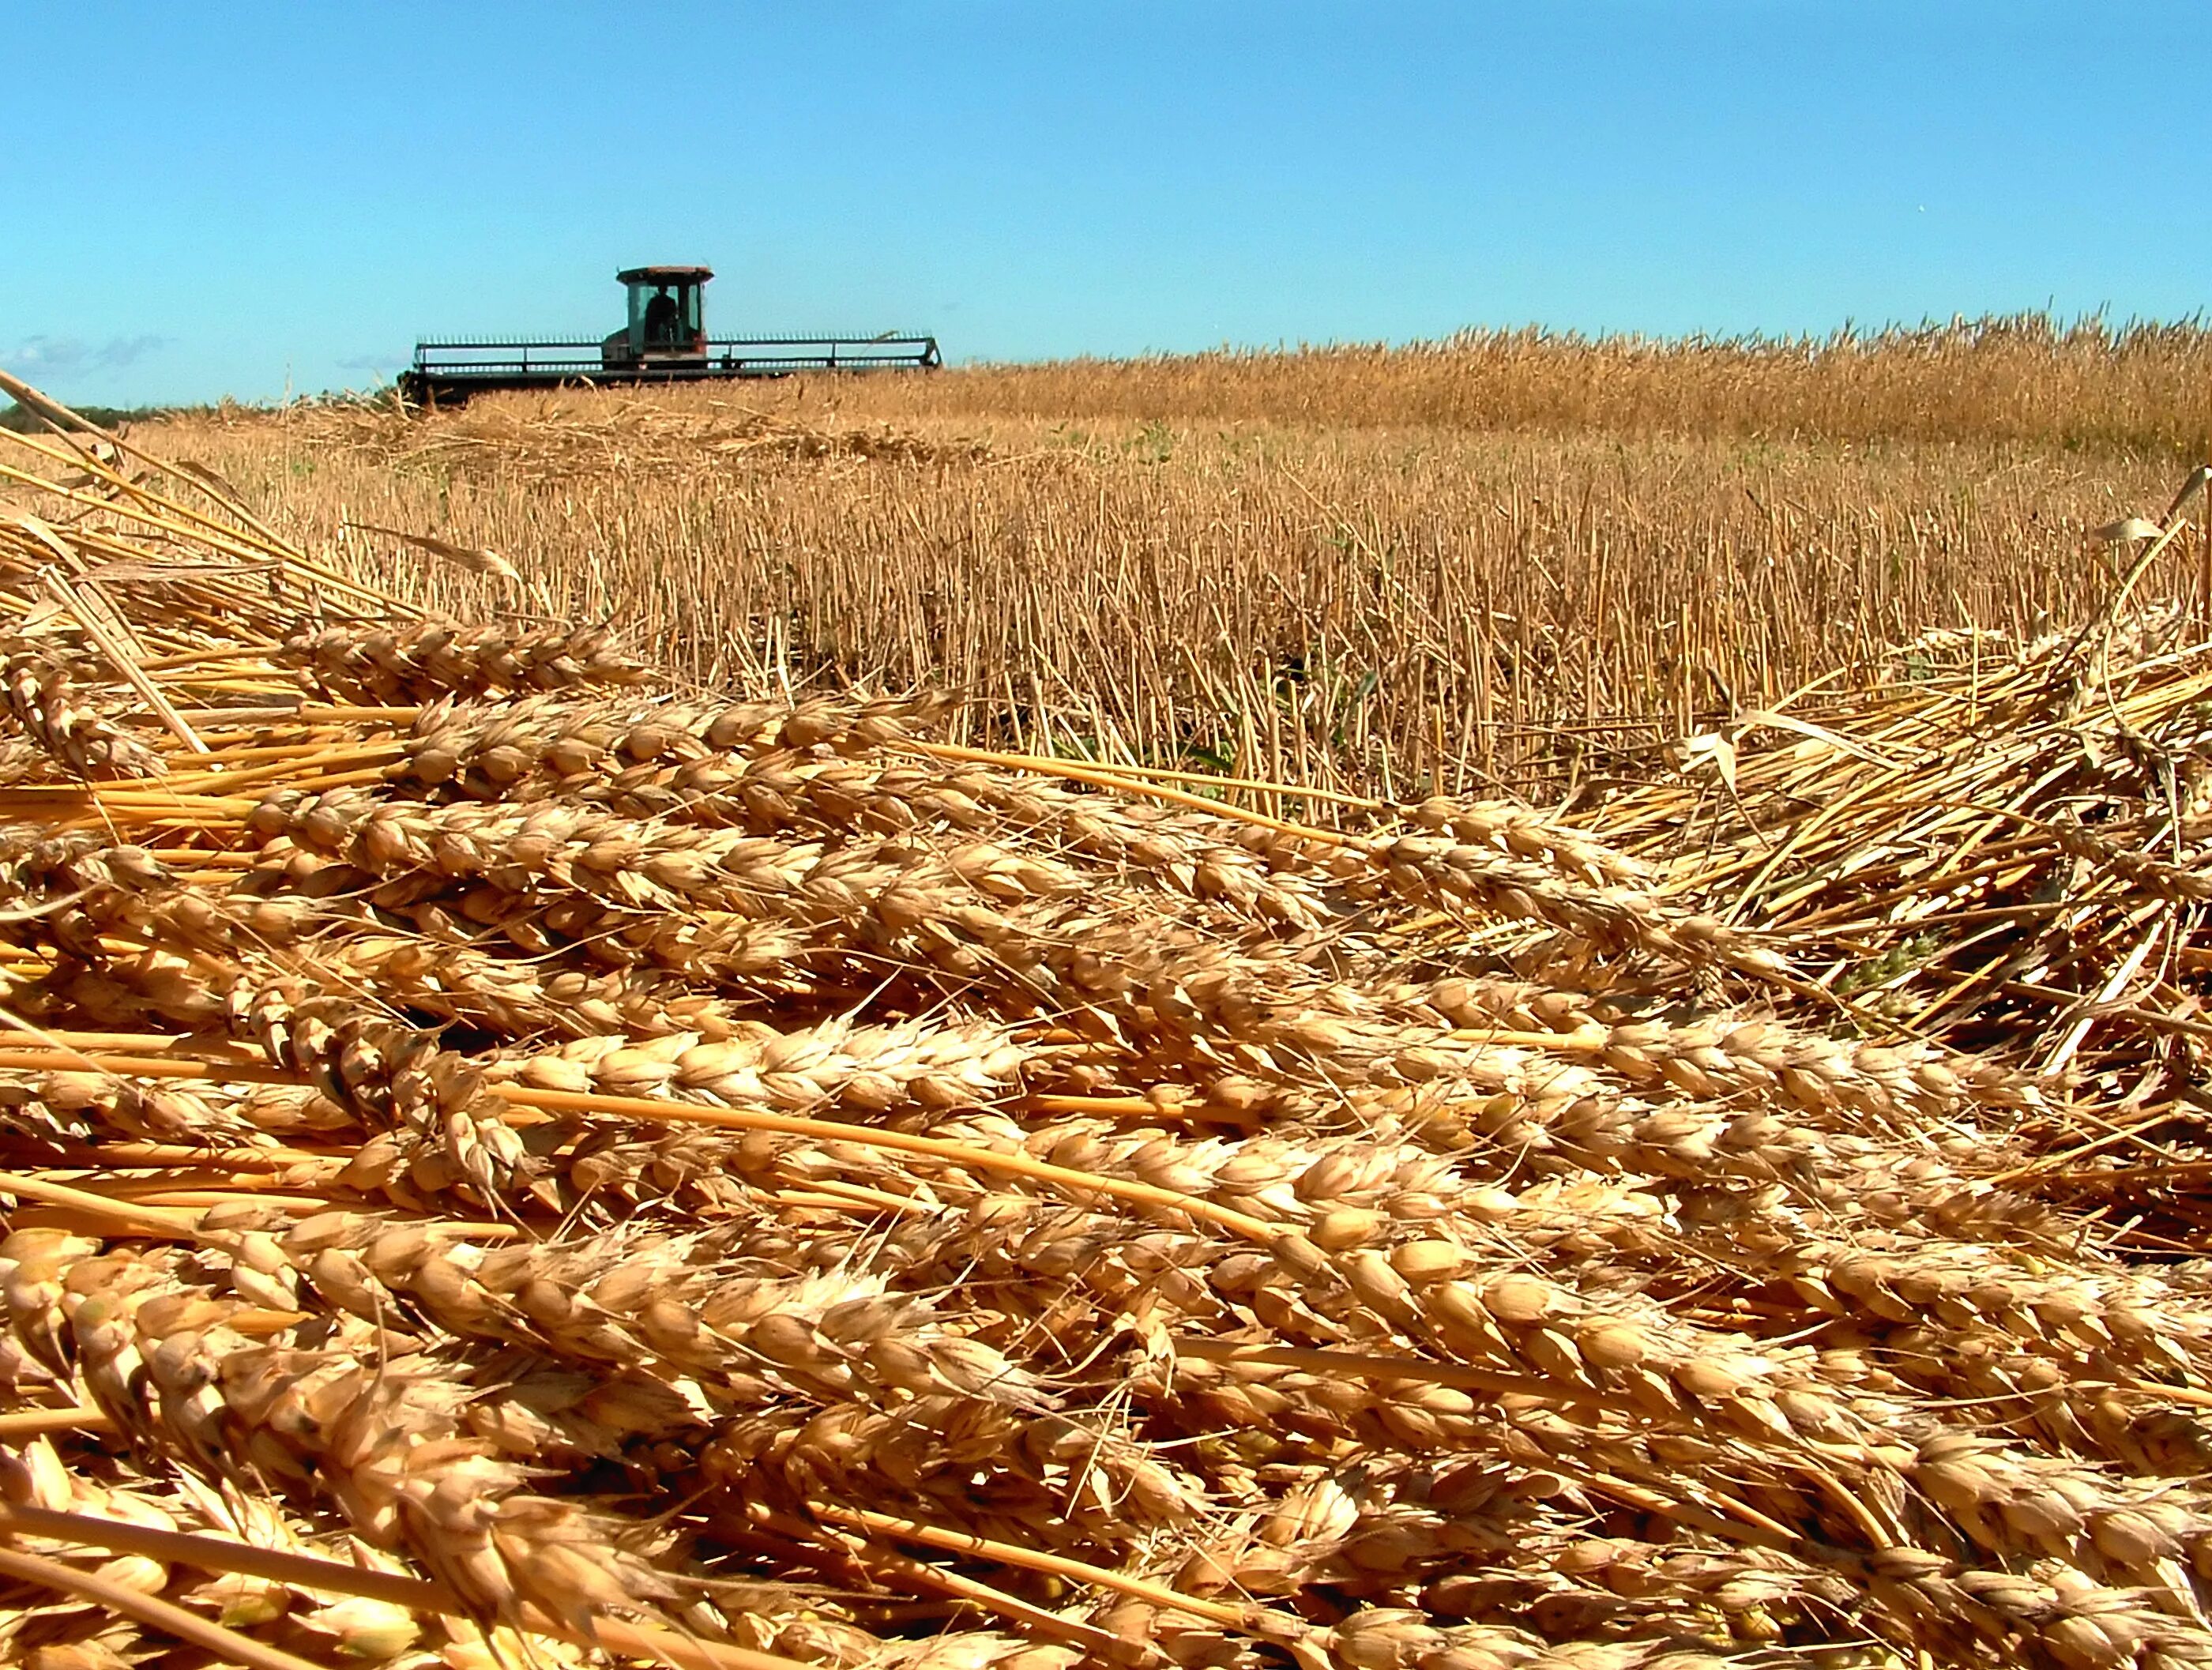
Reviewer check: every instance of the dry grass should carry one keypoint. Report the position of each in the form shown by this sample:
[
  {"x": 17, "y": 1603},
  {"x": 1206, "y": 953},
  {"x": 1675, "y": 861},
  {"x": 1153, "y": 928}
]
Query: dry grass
[
  {"x": 1390, "y": 609},
  {"x": 503, "y": 1161}
]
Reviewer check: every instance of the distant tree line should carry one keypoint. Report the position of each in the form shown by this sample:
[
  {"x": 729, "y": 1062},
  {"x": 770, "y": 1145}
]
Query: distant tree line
[{"x": 23, "y": 422}]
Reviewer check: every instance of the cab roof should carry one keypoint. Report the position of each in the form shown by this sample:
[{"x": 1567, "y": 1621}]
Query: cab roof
[{"x": 664, "y": 275}]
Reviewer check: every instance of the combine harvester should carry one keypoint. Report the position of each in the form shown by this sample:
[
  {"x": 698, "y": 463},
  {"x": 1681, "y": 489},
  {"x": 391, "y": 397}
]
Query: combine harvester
[{"x": 664, "y": 342}]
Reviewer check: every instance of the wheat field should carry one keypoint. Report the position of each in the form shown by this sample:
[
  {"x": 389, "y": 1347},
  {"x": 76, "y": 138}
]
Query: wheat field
[
  {"x": 1316, "y": 569},
  {"x": 848, "y": 1026}
]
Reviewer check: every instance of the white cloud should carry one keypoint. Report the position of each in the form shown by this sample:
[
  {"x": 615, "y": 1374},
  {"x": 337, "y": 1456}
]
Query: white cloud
[{"x": 34, "y": 357}]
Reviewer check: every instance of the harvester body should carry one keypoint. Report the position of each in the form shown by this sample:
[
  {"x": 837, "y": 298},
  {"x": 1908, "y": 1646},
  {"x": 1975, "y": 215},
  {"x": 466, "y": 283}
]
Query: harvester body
[{"x": 664, "y": 340}]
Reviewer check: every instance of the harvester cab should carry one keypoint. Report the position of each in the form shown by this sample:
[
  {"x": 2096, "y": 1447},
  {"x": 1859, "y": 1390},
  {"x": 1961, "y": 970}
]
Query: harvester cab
[{"x": 667, "y": 318}]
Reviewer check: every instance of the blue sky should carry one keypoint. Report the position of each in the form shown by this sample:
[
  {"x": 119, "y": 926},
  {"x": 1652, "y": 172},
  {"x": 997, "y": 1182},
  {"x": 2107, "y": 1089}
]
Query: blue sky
[{"x": 252, "y": 197}]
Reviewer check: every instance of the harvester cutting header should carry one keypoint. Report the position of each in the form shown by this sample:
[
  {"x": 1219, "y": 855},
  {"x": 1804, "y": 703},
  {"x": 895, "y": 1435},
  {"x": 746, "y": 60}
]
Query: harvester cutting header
[{"x": 665, "y": 341}]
